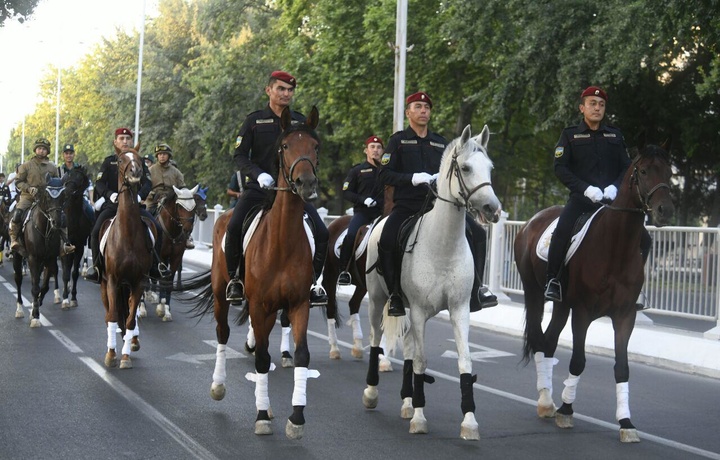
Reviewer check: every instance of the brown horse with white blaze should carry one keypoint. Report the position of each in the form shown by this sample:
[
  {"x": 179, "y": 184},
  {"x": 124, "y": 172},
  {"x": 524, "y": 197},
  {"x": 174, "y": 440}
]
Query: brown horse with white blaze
[{"x": 604, "y": 278}]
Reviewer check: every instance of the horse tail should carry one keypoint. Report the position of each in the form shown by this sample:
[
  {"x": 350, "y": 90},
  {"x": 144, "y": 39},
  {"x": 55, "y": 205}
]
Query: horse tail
[
  {"x": 394, "y": 328},
  {"x": 204, "y": 298},
  {"x": 243, "y": 314}
]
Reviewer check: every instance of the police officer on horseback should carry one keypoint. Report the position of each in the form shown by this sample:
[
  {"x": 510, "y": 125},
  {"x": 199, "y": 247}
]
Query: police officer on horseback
[
  {"x": 106, "y": 189},
  {"x": 590, "y": 160},
  {"x": 411, "y": 164},
  {"x": 31, "y": 177},
  {"x": 363, "y": 189},
  {"x": 256, "y": 158}
]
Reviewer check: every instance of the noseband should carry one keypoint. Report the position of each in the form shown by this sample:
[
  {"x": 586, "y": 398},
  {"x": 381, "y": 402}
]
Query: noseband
[{"x": 465, "y": 191}]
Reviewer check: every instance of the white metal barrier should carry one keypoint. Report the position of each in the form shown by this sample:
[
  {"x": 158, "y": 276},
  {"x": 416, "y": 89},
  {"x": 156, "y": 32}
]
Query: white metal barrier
[{"x": 682, "y": 273}]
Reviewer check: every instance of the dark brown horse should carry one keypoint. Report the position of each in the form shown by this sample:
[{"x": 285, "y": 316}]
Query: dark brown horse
[
  {"x": 604, "y": 278},
  {"x": 128, "y": 259},
  {"x": 278, "y": 274},
  {"x": 42, "y": 235}
]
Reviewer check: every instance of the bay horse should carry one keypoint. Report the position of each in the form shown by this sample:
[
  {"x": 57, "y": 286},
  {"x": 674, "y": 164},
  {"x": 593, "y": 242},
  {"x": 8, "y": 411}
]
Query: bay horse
[
  {"x": 604, "y": 278},
  {"x": 42, "y": 236},
  {"x": 278, "y": 275},
  {"x": 437, "y": 274},
  {"x": 128, "y": 258},
  {"x": 176, "y": 217},
  {"x": 79, "y": 226}
]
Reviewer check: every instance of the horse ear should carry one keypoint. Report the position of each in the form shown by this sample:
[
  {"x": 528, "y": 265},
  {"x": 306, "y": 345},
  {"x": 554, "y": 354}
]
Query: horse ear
[
  {"x": 666, "y": 145},
  {"x": 313, "y": 119},
  {"x": 285, "y": 119},
  {"x": 195, "y": 189},
  {"x": 137, "y": 148},
  {"x": 465, "y": 136},
  {"x": 485, "y": 136}
]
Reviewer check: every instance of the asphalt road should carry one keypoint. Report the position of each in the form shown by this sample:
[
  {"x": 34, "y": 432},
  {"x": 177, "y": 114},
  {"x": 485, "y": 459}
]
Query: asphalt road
[{"x": 57, "y": 400}]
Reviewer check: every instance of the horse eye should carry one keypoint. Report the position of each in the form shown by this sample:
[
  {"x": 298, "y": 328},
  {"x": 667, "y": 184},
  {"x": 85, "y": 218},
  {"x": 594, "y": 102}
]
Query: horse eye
[
  {"x": 285, "y": 146},
  {"x": 643, "y": 172},
  {"x": 465, "y": 168}
]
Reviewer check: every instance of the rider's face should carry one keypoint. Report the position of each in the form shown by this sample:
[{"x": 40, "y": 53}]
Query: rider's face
[{"x": 123, "y": 142}]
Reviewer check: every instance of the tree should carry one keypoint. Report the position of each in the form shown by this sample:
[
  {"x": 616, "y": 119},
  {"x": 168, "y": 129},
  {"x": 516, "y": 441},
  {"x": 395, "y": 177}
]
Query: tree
[{"x": 19, "y": 10}]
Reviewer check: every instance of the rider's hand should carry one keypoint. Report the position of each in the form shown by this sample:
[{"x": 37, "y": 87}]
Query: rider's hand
[
  {"x": 434, "y": 177},
  {"x": 369, "y": 202},
  {"x": 113, "y": 197},
  {"x": 265, "y": 180},
  {"x": 32, "y": 191},
  {"x": 610, "y": 192},
  {"x": 421, "y": 178},
  {"x": 594, "y": 194}
]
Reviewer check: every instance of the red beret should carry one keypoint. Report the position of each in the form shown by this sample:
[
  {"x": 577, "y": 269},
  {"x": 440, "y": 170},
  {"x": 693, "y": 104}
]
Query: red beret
[
  {"x": 284, "y": 76},
  {"x": 419, "y": 96},
  {"x": 594, "y": 91},
  {"x": 374, "y": 139},
  {"x": 125, "y": 131}
]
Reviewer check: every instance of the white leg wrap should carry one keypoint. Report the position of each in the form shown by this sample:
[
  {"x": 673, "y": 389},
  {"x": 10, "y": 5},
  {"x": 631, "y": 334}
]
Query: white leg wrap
[
  {"x": 262, "y": 400},
  {"x": 250, "y": 335},
  {"x": 544, "y": 367},
  {"x": 285, "y": 340},
  {"x": 127, "y": 342},
  {"x": 568, "y": 394},
  {"x": 622, "y": 393},
  {"x": 357, "y": 330},
  {"x": 111, "y": 335},
  {"x": 332, "y": 333},
  {"x": 220, "y": 358},
  {"x": 136, "y": 331},
  {"x": 299, "y": 397}
]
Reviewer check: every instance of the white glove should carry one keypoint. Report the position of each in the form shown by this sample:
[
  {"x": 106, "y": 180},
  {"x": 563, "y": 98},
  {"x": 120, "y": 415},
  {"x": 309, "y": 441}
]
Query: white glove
[
  {"x": 139, "y": 199},
  {"x": 265, "y": 180},
  {"x": 113, "y": 197},
  {"x": 434, "y": 177},
  {"x": 369, "y": 202},
  {"x": 99, "y": 203},
  {"x": 32, "y": 191},
  {"x": 594, "y": 193},
  {"x": 610, "y": 192},
  {"x": 421, "y": 178}
]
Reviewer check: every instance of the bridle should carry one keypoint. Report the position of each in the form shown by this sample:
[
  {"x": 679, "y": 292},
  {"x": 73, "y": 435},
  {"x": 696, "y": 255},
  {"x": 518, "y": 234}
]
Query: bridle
[
  {"x": 288, "y": 174},
  {"x": 644, "y": 199},
  {"x": 177, "y": 222},
  {"x": 465, "y": 192},
  {"x": 127, "y": 185},
  {"x": 53, "y": 224}
]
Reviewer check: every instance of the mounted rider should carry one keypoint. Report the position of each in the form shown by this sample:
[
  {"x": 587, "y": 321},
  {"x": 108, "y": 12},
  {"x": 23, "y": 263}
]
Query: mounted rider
[
  {"x": 31, "y": 177},
  {"x": 68, "y": 165},
  {"x": 106, "y": 190},
  {"x": 163, "y": 176}
]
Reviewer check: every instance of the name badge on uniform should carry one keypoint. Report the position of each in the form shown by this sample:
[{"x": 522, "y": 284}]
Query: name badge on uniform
[
  {"x": 438, "y": 145},
  {"x": 559, "y": 151},
  {"x": 366, "y": 170},
  {"x": 264, "y": 121},
  {"x": 581, "y": 136},
  {"x": 99, "y": 176},
  {"x": 385, "y": 159},
  {"x": 346, "y": 185},
  {"x": 409, "y": 141},
  {"x": 238, "y": 141},
  {"x": 609, "y": 135}
]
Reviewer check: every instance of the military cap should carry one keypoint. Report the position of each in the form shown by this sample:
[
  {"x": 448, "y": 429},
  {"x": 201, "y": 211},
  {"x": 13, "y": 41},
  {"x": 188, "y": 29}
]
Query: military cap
[
  {"x": 594, "y": 91},
  {"x": 419, "y": 96},
  {"x": 68, "y": 148},
  {"x": 42, "y": 142},
  {"x": 374, "y": 139},
  {"x": 163, "y": 148},
  {"x": 150, "y": 158},
  {"x": 284, "y": 76},
  {"x": 124, "y": 131}
]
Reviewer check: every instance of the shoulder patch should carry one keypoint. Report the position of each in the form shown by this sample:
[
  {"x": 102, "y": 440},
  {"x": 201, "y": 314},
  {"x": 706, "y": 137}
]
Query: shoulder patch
[
  {"x": 385, "y": 159},
  {"x": 559, "y": 151},
  {"x": 238, "y": 141},
  {"x": 346, "y": 185}
]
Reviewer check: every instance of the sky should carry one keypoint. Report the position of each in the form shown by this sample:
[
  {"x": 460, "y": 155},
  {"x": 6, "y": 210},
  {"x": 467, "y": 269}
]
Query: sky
[{"x": 59, "y": 33}]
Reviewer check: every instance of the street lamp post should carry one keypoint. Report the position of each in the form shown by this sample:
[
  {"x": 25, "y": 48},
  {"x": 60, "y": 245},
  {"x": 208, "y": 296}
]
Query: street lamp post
[
  {"x": 57, "y": 117},
  {"x": 139, "y": 77}
]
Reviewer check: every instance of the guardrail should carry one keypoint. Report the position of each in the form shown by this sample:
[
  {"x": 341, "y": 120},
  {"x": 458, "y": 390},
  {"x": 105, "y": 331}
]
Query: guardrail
[{"x": 682, "y": 273}]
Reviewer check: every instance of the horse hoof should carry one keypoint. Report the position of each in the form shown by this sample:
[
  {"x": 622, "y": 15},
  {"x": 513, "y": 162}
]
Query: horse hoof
[
  {"x": 287, "y": 360},
  {"x": 335, "y": 352},
  {"x": 546, "y": 407},
  {"x": 293, "y": 431},
  {"x": 217, "y": 391},
  {"x": 73, "y": 303},
  {"x": 263, "y": 427},
  {"x": 385, "y": 365},
  {"x": 19, "y": 312},
  {"x": 160, "y": 310},
  {"x": 563, "y": 421},
  {"x": 142, "y": 310},
  {"x": 126, "y": 363},
  {"x": 35, "y": 322},
  {"x": 65, "y": 305},
  {"x": 469, "y": 429},
  {"x": 167, "y": 317},
  {"x": 110, "y": 359},
  {"x": 356, "y": 352},
  {"x": 406, "y": 411},
  {"x": 135, "y": 344},
  {"x": 370, "y": 397},
  {"x": 629, "y": 435},
  {"x": 57, "y": 299},
  {"x": 249, "y": 349},
  {"x": 418, "y": 425}
]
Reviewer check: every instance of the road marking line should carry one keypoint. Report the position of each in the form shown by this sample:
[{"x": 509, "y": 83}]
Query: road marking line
[
  {"x": 62, "y": 338},
  {"x": 182, "y": 438}
]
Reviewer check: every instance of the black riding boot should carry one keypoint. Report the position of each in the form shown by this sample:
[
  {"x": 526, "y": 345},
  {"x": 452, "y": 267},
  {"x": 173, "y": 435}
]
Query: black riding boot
[
  {"x": 387, "y": 264},
  {"x": 318, "y": 296},
  {"x": 480, "y": 296},
  {"x": 94, "y": 271},
  {"x": 235, "y": 290}
]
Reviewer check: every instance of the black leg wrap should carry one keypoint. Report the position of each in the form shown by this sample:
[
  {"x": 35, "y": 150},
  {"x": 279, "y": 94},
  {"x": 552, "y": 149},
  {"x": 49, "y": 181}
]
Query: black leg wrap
[
  {"x": 625, "y": 424},
  {"x": 407, "y": 385},
  {"x": 373, "y": 375},
  {"x": 565, "y": 409},
  {"x": 418, "y": 397},
  {"x": 297, "y": 416},
  {"x": 467, "y": 403},
  {"x": 262, "y": 415}
]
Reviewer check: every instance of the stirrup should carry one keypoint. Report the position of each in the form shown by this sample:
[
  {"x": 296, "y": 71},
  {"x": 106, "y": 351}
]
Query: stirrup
[
  {"x": 641, "y": 302},
  {"x": 318, "y": 296},
  {"x": 235, "y": 290},
  {"x": 553, "y": 290},
  {"x": 163, "y": 270},
  {"x": 344, "y": 279},
  {"x": 67, "y": 248},
  {"x": 486, "y": 299},
  {"x": 189, "y": 243},
  {"x": 396, "y": 307}
]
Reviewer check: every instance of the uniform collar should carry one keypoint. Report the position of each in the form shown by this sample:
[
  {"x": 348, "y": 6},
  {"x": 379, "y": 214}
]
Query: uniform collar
[{"x": 584, "y": 127}]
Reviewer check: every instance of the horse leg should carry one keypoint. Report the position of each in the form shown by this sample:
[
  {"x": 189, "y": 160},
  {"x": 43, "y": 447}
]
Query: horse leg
[
  {"x": 545, "y": 360},
  {"x": 623, "y": 327},
  {"x": 354, "y": 303},
  {"x": 418, "y": 424},
  {"x": 56, "y": 293},
  {"x": 17, "y": 268},
  {"x": 375, "y": 311},
  {"x": 406, "y": 391},
  {"x": 36, "y": 294},
  {"x": 167, "y": 315},
  {"x": 332, "y": 339},
  {"x": 469, "y": 429},
  {"x": 250, "y": 338},
  {"x": 111, "y": 320},
  {"x": 286, "y": 359},
  {"x": 133, "y": 300},
  {"x": 75, "y": 275},
  {"x": 66, "y": 267},
  {"x": 580, "y": 324},
  {"x": 222, "y": 332},
  {"x": 385, "y": 363},
  {"x": 295, "y": 426},
  {"x": 163, "y": 298},
  {"x": 135, "y": 341},
  {"x": 263, "y": 326}
]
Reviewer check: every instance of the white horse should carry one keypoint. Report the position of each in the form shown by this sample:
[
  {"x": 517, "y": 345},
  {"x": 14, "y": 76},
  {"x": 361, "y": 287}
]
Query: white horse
[{"x": 437, "y": 274}]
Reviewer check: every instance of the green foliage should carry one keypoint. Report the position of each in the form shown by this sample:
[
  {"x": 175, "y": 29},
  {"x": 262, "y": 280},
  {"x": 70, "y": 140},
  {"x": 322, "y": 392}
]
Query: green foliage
[{"x": 19, "y": 10}]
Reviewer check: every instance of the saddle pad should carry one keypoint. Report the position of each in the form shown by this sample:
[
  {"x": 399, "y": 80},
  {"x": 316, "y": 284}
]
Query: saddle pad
[
  {"x": 543, "y": 245},
  {"x": 363, "y": 244},
  {"x": 254, "y": 224},
  {"x": 103, "y": 240}
]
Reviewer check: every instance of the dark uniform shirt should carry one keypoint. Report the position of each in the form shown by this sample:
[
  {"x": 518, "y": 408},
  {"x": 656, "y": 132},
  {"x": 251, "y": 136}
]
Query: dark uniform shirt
[
  {"x": 584, "y": 157},
  {"x": 254, "y": 151},
  {"x": 407, "y": 154},
  {"x": 361, "y": 183},
  {"x": 107, "y": 180}
]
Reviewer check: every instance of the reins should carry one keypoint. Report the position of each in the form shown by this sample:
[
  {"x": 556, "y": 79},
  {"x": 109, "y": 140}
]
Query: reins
[
  {"x": 465, "y": 191},
  {"x": 288, "y": 174},
  {"x": 644, "y": 200}
]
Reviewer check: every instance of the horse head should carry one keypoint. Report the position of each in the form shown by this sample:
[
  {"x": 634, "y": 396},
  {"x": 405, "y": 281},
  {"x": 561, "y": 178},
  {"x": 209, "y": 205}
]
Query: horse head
[
  {"x": 465, "y": 173},
  {"x": 130, "y": 169},
  {"x": 297, "y": 150},
  {"x": 200, "y": 197},
  {"x": 650, "y": 178},
  {"x": 76, "y": 181},
  {"x": 51, "y": 202},
  {"x": 184, "y": 212}
]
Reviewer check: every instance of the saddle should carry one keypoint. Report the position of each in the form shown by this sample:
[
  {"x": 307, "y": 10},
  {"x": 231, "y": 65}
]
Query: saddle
[
  {"x": 106, "y": 232},
  {"x": 582, "y": 224},
  {"x": 362, "y": 245}
]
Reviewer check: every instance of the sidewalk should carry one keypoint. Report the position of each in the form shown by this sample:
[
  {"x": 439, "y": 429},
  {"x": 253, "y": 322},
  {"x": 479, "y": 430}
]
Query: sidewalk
[{"x": 650, "y": 344}]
